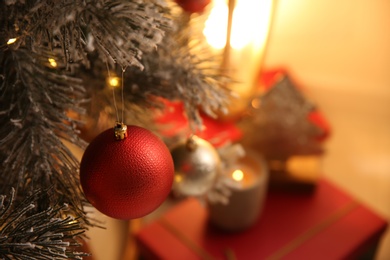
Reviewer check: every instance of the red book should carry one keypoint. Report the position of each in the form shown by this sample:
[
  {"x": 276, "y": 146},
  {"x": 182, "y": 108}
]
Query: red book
[{"x": 328, "y": 224}]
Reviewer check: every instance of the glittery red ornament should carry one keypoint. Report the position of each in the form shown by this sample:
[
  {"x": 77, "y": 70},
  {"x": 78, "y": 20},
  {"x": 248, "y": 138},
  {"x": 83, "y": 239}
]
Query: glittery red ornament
[
  {"x": 129, "y": 178},
  {"x": 193, "y": 6}
]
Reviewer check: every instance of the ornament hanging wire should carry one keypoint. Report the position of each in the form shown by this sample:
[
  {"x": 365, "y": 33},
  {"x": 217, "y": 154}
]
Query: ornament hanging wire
[
  {"x": 122, "y": 92},
  {"x": 120, "y": 129},
  {"x": 113, "y": 93}
]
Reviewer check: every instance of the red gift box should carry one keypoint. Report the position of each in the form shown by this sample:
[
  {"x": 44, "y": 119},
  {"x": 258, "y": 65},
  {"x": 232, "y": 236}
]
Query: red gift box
[{"x": 328, "y": 224}]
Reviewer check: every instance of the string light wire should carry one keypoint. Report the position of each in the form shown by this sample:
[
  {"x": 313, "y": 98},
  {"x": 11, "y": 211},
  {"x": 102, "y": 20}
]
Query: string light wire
[
  {"x": 113, "y": 94},
  {"x": 122, "y": 94}
]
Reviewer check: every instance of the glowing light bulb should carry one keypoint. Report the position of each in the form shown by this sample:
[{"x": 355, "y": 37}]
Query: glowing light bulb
[
  {"x": 238, "y": 175},
  {"x": 11, "y": 41},
  {"x": 178, "y": 178},
  {"x": 113, "y": 82},
  {"x": 250, "y": 23},
  {"x": 216, "y": 25},
  {"x": 52, "y": 62}
]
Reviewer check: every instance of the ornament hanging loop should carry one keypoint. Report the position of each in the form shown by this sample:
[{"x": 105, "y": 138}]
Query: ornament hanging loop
[
  {"x": 120, "y": 131},
  {"x": 191, "y": 143}
]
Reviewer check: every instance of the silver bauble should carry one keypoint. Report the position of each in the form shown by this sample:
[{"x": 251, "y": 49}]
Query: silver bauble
[{"x": 197, "y": 164}]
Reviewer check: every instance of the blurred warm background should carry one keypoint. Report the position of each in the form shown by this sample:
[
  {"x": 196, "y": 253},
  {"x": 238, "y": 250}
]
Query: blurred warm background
[{"x": 339, "y": 52}]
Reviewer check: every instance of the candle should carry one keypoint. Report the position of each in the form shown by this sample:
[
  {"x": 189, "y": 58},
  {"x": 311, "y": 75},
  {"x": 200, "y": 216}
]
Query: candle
[{"x": 247, "y": 198}]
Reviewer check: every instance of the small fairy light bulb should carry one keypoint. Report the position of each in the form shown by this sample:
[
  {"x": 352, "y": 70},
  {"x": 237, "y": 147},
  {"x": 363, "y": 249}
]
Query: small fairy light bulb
[
  {"x": 238, "y": 175},
  {"x": 178, "y": 178},
  {"x": 52, "y": 62},
  {"x": 11, "y": 41},
  {"x": 113, "y": 82}
]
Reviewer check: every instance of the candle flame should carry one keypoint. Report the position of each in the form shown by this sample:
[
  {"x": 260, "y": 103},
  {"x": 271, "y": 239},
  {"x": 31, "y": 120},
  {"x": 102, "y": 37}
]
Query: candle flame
[{"x": 238, "y": 175}]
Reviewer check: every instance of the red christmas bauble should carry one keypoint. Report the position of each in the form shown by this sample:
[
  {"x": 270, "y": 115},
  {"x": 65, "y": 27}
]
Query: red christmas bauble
[
  {"x": 193, "y": 6},
  {"x": 129, "y": 178}
]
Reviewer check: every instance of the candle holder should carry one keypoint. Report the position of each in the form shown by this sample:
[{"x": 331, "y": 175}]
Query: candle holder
[{"x": 246, "y": 200}]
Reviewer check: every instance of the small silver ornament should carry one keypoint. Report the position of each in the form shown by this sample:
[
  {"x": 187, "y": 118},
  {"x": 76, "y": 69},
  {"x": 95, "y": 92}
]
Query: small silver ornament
[{"x": 197, "y": 164}]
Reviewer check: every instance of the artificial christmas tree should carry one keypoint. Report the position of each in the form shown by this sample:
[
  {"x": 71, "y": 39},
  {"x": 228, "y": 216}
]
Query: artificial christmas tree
[{"x": 56, "y": 58}]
